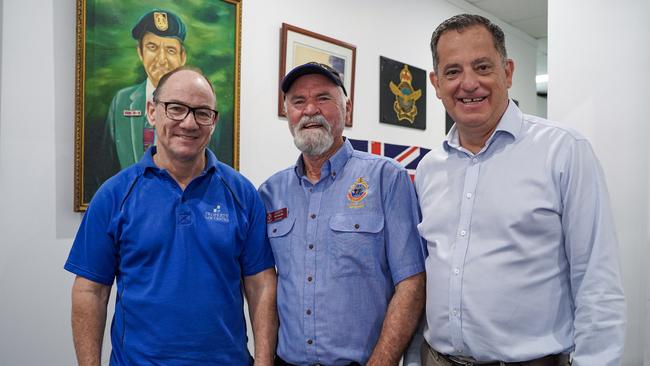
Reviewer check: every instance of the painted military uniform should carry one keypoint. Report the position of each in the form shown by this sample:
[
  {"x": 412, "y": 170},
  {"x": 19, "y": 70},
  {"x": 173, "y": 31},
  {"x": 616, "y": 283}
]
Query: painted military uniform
[{"x": 126, "y": 123}]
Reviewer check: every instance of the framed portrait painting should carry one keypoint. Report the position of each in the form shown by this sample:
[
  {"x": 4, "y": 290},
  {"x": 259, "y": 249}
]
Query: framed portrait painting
[
  {"x": 299, "y": 46},
  {"x": 123, "y": 49}
]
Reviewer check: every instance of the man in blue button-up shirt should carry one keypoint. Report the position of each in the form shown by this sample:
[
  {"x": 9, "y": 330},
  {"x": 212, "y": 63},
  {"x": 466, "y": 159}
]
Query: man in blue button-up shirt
[
  {"x": 342, "y": 225},
  {"x": 523, "y": 262}
]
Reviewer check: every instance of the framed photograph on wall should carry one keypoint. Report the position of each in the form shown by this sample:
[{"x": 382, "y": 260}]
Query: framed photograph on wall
[
  {"x": 123, "y": 49},
  {"x": 299, "y": 46}
]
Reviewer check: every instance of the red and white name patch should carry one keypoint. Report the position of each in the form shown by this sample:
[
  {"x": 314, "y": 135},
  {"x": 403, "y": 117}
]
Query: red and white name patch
[
  {"x": 278, "y": 215},
  {"x": 131, "y": 113}
]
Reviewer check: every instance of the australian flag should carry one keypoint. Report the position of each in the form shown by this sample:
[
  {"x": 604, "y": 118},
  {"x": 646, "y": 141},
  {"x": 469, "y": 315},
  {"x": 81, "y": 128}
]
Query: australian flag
[{"x": 408, "y": 156}]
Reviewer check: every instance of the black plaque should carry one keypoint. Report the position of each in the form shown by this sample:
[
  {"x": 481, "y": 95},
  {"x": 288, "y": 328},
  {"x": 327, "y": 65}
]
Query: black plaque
[{"x": 402, "y": 94}]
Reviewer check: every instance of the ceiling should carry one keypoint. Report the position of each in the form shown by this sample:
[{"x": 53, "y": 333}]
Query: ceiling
[{"x": 529, "y": 16}]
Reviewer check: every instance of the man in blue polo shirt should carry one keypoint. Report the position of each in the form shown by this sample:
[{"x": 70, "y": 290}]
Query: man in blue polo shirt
[
  {"x": 342, "y": 225},
  {"x": 179, "y": 232}
]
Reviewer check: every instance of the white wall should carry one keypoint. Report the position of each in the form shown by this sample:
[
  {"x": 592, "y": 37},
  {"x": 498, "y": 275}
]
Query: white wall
[
  {"x": 37, "y": 137},
  {"x": 400, "y": 30},
  {"x": 35, "y": 179},
  {"x": 598, "y": 79}
]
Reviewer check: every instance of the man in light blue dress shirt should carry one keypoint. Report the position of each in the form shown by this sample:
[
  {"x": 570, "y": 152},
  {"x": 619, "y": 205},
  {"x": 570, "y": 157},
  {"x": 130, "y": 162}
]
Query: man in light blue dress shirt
[
  {"x": 522, "y": 262},
  {"x": 343, "y": 229}
]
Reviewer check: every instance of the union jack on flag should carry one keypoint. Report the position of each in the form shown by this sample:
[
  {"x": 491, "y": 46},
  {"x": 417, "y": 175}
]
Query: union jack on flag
[{"x": 408, "y": 156}]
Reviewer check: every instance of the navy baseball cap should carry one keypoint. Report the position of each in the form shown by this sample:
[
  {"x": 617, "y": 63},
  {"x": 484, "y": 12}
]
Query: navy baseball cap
[
  {"x": 160, "y": 22},
  {"x": 312, "y": 68}
]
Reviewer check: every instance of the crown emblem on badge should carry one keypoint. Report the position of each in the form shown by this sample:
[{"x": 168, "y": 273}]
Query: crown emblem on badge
[
  {"x": 405, "y": 96},
  {"x": 160, "y": 21}
]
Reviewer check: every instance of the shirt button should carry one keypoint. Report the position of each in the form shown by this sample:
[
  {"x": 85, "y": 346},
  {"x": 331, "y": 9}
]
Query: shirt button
[
  {"x": 311, "y": 246},
  {"x": 356, "y": 226},
  {"x": 309, "y": 279},
  {"x": 463, "y": 233},
  {"x": 275, "y": 231},
  {"x": 468, "y": 195},
  {"x": 333, "y": 174},
  {"x": 454, "y": 312},
  {"x": 456, "y": 271},
  {"x": 309, "y": 341},
  {"x": 313, "y": 216},
  {"x": 310, "y": 190},
  {"x": 308, "y": 311},
  {"x": 475, "y": 160}
]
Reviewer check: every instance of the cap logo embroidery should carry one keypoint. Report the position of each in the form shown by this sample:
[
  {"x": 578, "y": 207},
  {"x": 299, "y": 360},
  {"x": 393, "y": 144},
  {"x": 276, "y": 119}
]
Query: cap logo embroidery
[
  {"x": 358, "y": 191},
  {"x": 160, "y": 20}
]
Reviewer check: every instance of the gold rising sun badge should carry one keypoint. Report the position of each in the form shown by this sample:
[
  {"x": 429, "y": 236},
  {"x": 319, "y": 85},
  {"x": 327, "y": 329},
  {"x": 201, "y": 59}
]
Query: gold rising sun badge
[
  {"x": 405, "y": 96},
  {"x": 356, "y": 194}
]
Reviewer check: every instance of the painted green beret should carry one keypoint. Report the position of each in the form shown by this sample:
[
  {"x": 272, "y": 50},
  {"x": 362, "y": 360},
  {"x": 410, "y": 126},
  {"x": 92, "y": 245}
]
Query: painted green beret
[{"x": 160, "y": 22}]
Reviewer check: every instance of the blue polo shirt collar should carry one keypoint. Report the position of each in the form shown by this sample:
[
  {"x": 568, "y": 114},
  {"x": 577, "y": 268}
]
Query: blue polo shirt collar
[
  {"x": 147, "y": 161},
  {"x": 510, "y": 124},
  {"x": 333, "y": 166}
]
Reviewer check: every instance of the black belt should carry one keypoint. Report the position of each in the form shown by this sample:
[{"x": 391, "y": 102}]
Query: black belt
[{"x": 280, "y": 362}]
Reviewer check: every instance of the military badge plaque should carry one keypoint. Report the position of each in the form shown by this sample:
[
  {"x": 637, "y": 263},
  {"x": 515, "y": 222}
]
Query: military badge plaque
[{"x": 402, "y": 94}]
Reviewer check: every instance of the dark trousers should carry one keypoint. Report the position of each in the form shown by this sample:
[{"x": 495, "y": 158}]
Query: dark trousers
[{"x": 432, "y": 358}]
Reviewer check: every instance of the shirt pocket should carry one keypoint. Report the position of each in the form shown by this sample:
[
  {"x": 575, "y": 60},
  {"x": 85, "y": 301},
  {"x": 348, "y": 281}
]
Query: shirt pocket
[
  {"x": 279, "y": 234},
  {"x": 356, "y": 244}
]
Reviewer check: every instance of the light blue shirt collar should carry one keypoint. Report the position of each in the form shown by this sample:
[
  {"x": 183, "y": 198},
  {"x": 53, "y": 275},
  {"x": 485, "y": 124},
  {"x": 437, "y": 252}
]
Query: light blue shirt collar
[
  {"x": 333, "y": 166},
  {"x": 510, "y": 123}
]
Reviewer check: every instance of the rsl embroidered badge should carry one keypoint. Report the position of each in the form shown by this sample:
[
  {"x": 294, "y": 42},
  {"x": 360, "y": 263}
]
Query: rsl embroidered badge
[
  {"x": 405, "y": 96},
  {"x": 160, "y": 20},
  {"x": 358, "y": 191}
]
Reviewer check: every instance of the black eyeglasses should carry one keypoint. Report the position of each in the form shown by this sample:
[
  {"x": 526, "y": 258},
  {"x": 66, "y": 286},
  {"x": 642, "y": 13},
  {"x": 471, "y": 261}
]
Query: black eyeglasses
[{"x": 178, "y": 111}]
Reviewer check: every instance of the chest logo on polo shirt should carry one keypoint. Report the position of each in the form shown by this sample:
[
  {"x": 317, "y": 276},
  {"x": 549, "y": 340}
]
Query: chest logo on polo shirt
[
  {"x": 217, "y": 214},
  {"x": 356, "y": 194}
]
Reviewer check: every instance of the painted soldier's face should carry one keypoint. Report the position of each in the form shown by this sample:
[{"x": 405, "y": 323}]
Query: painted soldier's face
[{"x": 160, "y": 55}]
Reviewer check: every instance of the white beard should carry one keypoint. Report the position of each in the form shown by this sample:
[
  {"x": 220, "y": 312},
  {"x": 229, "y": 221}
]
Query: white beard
[{"x": 314, "y": 141}]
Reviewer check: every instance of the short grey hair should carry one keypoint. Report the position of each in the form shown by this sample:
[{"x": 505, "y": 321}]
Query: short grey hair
[{"x": 462, "y": 21}]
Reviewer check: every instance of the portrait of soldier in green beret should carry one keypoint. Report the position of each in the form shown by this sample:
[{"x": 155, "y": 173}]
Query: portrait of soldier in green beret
[
  {"x": 160, "y": 35},
  {"x": 129, "y": 46}
]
